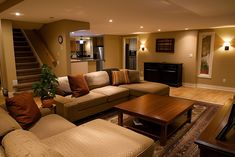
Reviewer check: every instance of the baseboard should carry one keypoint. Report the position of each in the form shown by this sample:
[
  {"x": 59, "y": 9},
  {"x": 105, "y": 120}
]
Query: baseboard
[
  {"x": 189, "y": 85},
  {"x": 207, "y": 86},
  {"x": 229, "y": 89}
]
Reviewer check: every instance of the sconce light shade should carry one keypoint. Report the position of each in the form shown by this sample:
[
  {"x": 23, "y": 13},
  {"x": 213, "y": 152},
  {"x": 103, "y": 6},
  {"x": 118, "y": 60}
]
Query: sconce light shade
[
  {"x": 226, "y": 45},
  {"x": 142, "y": 47},
  {"x": 81, "y": 41}
]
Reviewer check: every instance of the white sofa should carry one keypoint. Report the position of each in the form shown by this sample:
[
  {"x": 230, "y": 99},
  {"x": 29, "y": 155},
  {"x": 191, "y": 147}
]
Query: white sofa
[
  {"x": 103, "y": 95},
  {"x": 54, "y": 136}
]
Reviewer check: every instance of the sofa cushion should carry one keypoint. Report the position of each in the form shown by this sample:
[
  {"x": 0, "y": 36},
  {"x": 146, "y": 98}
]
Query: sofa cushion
[
  {"x": 134, "y": 76},
  {"x": 7, "y": 123},
  {"x": 109, "y": 71},
  {"x": 100, "y": 138},
  {"x": 120, "y": 77},
  {"x": 78, "y": 85},
  {"x": 63, "y": 88},
  {"x": 23, "y": 109},
  {"x": 50, "y": 125},
  {"x": 144, "y": 87},
  {"x": 72, "y": 106},
  {"x": 112, "y": 92},
  {"x": 97, "y": 79},
  {"x": 23, "y": 143}
]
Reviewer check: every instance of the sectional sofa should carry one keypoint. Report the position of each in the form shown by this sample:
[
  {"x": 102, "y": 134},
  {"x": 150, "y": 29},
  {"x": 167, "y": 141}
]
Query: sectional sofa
[
  {"x": 103, "y": 95},
  {"x": 54, "y": 136}
]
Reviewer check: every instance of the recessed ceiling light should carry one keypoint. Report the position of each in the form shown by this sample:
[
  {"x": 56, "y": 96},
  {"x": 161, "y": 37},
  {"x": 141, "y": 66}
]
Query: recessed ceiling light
[
  {"x": 72, "y": 32},
  {"x": 159, "y": 30},
  {"x": 110, "y": 20},
  {"x": 186, "y": 29},
  {"x": 17, "y": 14},
  {"x": 141, "y": 27}
]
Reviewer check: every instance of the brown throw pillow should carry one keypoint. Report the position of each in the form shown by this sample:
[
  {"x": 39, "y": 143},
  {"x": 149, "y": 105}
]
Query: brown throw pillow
[
  {"x": 120, "y": 77},
  {"x": 78, "y": 85},
  {"x": 23, "y": 109}
]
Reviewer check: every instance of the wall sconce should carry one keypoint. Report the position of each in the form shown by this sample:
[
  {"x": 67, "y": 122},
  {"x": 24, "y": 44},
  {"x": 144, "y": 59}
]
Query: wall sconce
[
  {"x": 142, "y": 47},
  {"x": 81, "y": 41},
  {"x": 226, "y": 45}
]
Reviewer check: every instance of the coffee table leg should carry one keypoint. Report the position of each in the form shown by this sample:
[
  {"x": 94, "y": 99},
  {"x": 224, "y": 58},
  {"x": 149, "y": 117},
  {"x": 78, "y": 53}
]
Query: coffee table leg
[
  {"x": 120, "y": 118},
  {"x": 189, "y": 115},
  {"x": 163, "y": 136}
]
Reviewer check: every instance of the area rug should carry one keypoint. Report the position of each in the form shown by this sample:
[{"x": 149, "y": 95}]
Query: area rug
[{"x": 181, "y": 143}]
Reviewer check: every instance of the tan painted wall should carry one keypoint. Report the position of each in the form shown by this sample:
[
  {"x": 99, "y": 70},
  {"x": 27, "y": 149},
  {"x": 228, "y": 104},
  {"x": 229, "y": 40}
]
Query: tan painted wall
[
  {"x": 185, "y": 45},
  {"x": 8, "y": 68},
  {"x": 223, "y": 61},
  {"x": 113, "y": 51},
  {"x": 61, "y": 52}
]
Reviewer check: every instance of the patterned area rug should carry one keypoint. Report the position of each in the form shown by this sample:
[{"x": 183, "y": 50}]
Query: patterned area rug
[{"x": 181, "y": 143}]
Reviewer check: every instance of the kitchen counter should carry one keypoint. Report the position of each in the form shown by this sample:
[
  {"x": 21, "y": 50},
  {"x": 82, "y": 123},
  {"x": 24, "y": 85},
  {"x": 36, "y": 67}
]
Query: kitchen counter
[{"x": 83, "y": 60}]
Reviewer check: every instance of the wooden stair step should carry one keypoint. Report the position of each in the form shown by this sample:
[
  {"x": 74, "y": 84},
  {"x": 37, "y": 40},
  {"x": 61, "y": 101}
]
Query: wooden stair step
[
  {"x": 23, "y": 72},
  {"x": 24, "y": 53},
  {"x": 27, "y": 65},
  {"x": 21, "y": 43},
  {"x": 22, "y": 48},
  {"x": 28, "y": 78},
  {"x": 25, "y": 59},
  {"x": 23, "y": 86}
]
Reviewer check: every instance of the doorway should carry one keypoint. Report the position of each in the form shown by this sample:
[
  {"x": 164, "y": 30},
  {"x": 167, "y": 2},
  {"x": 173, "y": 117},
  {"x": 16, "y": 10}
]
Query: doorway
[{"x": 130, "y": 53}]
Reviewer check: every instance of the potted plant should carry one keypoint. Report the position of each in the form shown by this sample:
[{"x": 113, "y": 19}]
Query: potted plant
[{"x": 46, "y": 87}]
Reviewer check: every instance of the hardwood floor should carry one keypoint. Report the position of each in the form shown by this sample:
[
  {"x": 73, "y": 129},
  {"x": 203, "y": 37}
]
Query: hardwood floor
[{"x": 201, "y": 94}]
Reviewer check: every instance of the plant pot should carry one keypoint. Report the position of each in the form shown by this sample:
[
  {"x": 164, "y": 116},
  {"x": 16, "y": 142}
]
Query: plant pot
[{"x": 48, "y": 103}]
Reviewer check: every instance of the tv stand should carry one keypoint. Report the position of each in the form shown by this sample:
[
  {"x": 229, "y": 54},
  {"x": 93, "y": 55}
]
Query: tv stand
[{"x": 167, "y": 73}]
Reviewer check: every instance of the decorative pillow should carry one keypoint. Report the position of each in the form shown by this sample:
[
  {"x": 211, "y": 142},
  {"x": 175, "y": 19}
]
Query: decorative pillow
[
  {"x": 78, "y": 85},
  {"x": 109, "y": 71},
  {"x": 63, "y": 88},
  {"x": 120, "y": 77},
  {"x": 97, "y": 79},
  {"x": 22, "y": 143},
  {"x": 23, "y": 109},
  {"x": 134, "y": 76},
  {"x": 7, "y": 123}
]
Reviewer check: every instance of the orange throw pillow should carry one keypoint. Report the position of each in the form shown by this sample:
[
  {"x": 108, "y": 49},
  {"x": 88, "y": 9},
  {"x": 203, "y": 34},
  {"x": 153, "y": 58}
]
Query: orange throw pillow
[
  {"x": 120, "y": 77},
  {"x": 78, "y": 85},
  {"x": 23, "y": 109}
]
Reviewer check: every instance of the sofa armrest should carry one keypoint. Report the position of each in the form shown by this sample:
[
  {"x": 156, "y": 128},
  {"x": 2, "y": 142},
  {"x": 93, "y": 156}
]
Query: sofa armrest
[{"x": 60, "y": 102}]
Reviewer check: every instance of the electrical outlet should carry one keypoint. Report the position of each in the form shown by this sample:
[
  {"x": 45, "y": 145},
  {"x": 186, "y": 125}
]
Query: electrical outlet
[{"x": 224, "y": 80}]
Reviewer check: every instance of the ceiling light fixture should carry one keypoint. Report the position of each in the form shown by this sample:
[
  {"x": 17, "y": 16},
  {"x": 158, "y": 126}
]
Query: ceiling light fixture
[
  {"x": 110, "y": 20},
  {"x": 186, "y": 29},
  {"x": 17, "y": 14},
  {"x": 141, "y": 27},
  {"x": 159, "y": 30}
]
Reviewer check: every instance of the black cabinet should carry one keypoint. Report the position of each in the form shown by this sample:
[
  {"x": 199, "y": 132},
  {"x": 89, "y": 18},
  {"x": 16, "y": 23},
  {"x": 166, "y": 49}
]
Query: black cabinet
[{"x": 167, "y": 73}]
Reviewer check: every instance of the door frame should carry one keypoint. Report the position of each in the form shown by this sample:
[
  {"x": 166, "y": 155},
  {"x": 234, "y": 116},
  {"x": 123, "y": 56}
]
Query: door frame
[{"x": 124, "y": 51}]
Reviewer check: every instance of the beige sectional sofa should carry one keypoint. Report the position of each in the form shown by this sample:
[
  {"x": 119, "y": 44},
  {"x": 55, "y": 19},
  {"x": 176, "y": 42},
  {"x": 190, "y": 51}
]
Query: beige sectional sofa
[
  {"x": 54, "y": 136},
  {"x": 103, "y": 95}
]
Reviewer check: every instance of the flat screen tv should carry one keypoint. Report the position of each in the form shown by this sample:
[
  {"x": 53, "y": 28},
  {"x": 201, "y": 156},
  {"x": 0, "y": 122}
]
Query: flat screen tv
[{"x": 230, "y": 124}]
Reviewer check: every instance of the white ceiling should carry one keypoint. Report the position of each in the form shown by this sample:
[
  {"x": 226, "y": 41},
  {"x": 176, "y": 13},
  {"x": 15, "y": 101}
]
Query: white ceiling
[{"x": 129, "y": 15}]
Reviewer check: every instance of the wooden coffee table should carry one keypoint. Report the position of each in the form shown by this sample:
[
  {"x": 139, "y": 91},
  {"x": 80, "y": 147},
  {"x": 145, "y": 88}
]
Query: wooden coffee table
[{"x": 164, "y": 111}]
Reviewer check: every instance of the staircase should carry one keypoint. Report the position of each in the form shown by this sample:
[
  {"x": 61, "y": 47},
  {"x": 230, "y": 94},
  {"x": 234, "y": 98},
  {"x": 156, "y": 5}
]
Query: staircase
[{"x": 27, "y": 67}]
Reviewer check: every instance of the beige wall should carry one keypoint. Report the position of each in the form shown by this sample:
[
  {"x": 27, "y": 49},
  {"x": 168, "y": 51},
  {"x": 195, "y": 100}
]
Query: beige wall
[
  {"x": 61, "y": 52},
  {"x": 113, "y": 51},
  {"x": 8, "y": 68},
  {"x": 223, "y": 61},
  {"x": 185, "y": 52}
]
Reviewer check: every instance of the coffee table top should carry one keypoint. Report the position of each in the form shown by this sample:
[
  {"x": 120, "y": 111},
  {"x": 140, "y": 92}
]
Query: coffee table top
[{"x": 156, "y": 108}]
